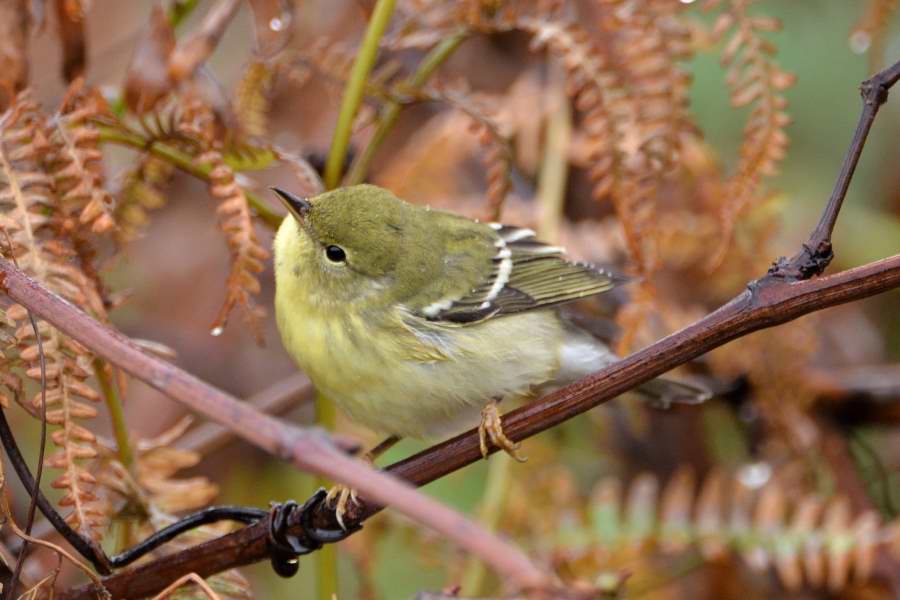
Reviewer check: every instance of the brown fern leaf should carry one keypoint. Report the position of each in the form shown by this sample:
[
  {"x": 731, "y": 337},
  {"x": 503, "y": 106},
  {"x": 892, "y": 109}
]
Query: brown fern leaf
[
  {"x": 153, "y": 484},
  {"x": 870, "y": 32},
  {"x": 805, "y": 539},
  {"x": 251, "y": 99},
  {"x": 495, "y": 142},
  {"x": 649, "y": 40},
  {"x": 247, "y": 254},
  {"x": 76, "y": 162},
  {"x": 616, "y": 165},
  {"x": 591, "y": 84},
  {"x": 198, "y": 123},
  {"x": 308, "y": 179},
  {"x": 27, "y": 214},
  {"x": 142, "y": 192},
  {"x": 756, "y": 81}
]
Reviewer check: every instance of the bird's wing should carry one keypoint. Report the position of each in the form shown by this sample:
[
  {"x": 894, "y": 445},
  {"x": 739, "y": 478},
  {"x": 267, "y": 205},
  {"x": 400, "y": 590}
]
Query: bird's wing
[{"x": 527, "y": 274}]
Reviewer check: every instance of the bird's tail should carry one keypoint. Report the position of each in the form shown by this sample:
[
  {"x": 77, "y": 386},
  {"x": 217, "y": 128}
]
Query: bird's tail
[{"x": 663, "y": 393}]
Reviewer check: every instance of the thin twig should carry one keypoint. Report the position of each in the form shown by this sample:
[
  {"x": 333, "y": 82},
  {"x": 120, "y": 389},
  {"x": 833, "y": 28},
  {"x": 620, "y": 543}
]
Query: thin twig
[
  {"x": 816, "y": 253},
  {"x": 97, "y": 583}
]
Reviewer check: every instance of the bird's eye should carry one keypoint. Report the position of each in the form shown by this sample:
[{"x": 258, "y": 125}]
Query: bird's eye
[{"x": 335, "y": 254}]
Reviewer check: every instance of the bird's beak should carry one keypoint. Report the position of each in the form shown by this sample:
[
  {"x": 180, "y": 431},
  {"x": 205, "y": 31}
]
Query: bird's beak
[{"x": 298, "y": 207}]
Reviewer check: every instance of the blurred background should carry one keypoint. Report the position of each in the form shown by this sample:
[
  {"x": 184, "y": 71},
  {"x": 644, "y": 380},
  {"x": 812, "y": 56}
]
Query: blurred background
[{"x": 793, "y": 402}]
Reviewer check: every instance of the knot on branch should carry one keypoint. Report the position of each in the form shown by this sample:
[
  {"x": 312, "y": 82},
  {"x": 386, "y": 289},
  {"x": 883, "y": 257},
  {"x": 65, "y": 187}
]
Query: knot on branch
[{"x": 810, "y": 262}]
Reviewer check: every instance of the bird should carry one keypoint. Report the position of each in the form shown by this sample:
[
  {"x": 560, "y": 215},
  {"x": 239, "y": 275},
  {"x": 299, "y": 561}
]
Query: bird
[{"x": 417, "y": 322}]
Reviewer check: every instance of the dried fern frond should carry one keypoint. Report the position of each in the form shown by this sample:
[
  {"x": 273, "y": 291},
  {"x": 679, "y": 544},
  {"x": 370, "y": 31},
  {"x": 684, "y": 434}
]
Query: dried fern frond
[
  {"x": 142, "y": 191},
  {"x": 247, "y": 254},
  {"x": 649, "y": 40},
  {"x": 76, "y": 162},
  {"x": 497, "y": 154},
  {"x": 28, "y": 212},
  {"x": 155, "y": 484},
  {"x": 152, "y": 484},
  {"x": 333, "y": 61},
  {"x": 235, "y": 219},
  {"x": 806, "y": 540},
  {"x": 617, "y": 161},
  {"x": 758, "y": 82},
  {"x": 251, "y": 99}
]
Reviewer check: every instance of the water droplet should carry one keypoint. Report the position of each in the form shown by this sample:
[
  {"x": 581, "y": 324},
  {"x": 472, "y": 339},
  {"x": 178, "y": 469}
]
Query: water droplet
[
  {"x": 276, "y": 24},
  {"x": 216, "y": 331},
  {"x": 755, "y": 475},
  {"x": 860, "y": 41}
]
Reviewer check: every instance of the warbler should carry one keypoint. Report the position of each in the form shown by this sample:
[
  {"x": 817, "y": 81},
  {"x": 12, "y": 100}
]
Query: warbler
[{"x": 417, "y": 322}]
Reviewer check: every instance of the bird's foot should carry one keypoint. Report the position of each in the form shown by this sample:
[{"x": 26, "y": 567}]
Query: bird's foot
[
  {"x": 492, "y": 427},
  {"x": 339, "y": 498}
]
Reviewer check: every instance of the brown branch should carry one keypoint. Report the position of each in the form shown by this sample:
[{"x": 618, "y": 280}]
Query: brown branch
[
  {"x": 309, "y": 450},
  {"x": 816, "y": 253},
  {"x": 277, "y": 399}
]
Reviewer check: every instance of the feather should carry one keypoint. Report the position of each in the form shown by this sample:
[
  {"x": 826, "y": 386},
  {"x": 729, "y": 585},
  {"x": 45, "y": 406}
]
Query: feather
[{"x": 527, "y": 274}]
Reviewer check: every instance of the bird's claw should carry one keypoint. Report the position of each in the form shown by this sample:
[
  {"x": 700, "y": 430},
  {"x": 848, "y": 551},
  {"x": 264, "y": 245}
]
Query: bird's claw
[
  {"x": 339, "y": 498},
  {"x": 491, "y": 428},
  {"x": 285, "y": 547}
]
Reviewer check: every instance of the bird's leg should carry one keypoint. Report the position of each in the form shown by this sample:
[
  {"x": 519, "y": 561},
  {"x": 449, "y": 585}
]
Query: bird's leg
[
  {"x": 491, "y": 427},
  {"x": 340, "y": 495}
]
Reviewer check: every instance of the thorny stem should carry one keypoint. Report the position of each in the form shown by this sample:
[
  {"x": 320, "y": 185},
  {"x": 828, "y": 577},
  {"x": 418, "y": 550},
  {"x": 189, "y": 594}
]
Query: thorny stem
[
  {"x": 353, "y": 93},
  {"x": 186, "y": 163},
  {"x": 391, "y": 110},
  {"x": 116, "y": 412}
]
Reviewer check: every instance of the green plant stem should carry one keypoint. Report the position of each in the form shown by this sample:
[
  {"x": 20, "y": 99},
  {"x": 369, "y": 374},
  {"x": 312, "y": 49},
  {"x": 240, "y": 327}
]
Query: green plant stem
[
  {"x": 185, "y": 162},
  {"x": 552, "y": 177},
  {"x": 353, "y": 93},
  {"x": 116, "y": 412},
  {"x": 498, "y": 482},
  {"x": 391, "y": 110},
  {"x": 326, "y": 562},
  {"x": 179, "y": 11}
]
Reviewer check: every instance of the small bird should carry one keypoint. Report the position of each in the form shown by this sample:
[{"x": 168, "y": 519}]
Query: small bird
[{"x": 417, "y": 322}]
